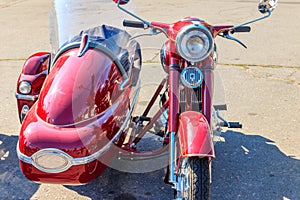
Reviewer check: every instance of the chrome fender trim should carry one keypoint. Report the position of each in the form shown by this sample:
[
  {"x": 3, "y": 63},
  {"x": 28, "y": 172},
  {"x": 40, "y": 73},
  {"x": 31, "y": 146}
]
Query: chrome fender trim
[{"x": 27, "y": 97}]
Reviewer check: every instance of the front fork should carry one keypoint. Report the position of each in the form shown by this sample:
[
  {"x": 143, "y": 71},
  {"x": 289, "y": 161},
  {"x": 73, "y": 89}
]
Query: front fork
[
  {"x": 207, "y": 95},
  {"x": 173, "y": 118},
  {"x": 172, "y": 156}
]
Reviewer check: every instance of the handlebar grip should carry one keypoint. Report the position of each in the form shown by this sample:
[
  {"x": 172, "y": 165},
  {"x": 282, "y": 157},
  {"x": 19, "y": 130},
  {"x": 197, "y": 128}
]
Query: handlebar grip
[
  {"x": 133, "y": 24},
  {"x": 242, "y": 29},
  {"x": 234, "y": 125}
]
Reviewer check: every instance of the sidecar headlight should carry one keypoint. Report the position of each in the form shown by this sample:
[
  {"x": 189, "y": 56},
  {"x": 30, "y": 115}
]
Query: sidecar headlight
[
  {"x": 24, "y": 87},
  {"x": 52, "y": 160},
  {"x": 194, "y": 42}
]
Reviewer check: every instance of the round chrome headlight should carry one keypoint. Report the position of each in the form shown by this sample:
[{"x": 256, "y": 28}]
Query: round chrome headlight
[
  {"x": 194, "y": 42},
  {"x": 25, "y": 87},
  {"x": 52, "y": 160}
]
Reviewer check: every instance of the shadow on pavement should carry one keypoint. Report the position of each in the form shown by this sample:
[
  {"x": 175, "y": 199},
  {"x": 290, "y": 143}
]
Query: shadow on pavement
[
  {"x": 117, "y": 185},
  {"x": 252, "y": 167},
  {"x": 247, "y": 167},
  {"x": 13, "y": 185}
]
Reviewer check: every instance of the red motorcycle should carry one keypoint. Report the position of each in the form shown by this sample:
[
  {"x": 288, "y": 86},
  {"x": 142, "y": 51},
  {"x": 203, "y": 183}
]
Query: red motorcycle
[{"x": 77, "y": 103}]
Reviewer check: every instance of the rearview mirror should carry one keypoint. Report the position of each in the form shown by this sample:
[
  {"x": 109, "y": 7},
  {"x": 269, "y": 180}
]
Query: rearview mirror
[
  {"x": 121, "y": 2},
  {"x": 265, "y": 6}
]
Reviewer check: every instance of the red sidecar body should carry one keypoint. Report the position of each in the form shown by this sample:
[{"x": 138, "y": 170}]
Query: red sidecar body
[{"x": 75, "y": 106}]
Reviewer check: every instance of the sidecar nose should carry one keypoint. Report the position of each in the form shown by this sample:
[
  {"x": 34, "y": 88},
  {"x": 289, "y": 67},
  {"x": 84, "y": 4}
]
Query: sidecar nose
[{"x": 69, "y": 154}]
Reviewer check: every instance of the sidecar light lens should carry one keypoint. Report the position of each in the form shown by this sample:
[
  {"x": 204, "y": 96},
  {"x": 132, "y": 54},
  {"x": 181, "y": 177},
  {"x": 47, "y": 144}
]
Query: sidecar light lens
[
  {"x": 52, "y": 160},
  {"x": 194, "y": 42},
  {"x": 24, "y": 112},
  {"x": 24, "y": 87}
]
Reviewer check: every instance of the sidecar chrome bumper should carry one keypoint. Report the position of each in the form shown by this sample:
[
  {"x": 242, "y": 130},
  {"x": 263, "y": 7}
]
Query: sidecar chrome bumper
[
  {"x": 53, "y": 160},
  {"x": 27, "y": 97}
]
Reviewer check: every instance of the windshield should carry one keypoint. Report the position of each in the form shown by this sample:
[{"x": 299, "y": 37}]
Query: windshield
[{"x": 69, "y": 17}]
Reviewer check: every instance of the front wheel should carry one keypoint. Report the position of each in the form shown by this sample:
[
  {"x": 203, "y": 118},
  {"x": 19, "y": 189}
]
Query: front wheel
[{"x": 194, "y": 179}]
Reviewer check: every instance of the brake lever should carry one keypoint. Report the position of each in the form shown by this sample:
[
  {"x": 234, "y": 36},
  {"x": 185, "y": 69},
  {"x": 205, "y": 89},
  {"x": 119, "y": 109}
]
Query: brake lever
[
  {"x": 228, "y": 36},
  {"x": 153, "y": 32}
]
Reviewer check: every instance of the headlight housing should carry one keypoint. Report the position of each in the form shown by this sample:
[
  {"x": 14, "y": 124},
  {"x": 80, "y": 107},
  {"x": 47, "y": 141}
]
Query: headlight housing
[
  {"x": 24, "y": 87},
  {"x": 194, "y": 42}
]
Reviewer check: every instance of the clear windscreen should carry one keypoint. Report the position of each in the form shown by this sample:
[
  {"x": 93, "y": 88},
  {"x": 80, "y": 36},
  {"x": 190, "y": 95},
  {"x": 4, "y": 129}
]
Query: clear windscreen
[{"x": 70, "y": 17}]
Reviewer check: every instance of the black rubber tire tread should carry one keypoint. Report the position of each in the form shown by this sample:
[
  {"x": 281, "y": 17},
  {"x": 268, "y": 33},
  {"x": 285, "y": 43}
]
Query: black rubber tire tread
[{"x": 199, "y": 178}]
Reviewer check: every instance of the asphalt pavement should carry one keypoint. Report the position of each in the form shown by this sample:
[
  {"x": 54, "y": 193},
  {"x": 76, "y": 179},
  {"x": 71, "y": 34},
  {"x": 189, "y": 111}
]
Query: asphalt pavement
[{"x": 261, "y": 83}]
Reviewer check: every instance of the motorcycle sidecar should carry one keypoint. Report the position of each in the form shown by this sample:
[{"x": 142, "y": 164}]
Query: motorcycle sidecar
[{"x": 82, "y": 109}]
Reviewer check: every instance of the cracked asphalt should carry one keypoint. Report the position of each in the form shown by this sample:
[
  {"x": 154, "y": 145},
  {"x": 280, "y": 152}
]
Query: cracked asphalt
[{"x": 262, "y": 87}]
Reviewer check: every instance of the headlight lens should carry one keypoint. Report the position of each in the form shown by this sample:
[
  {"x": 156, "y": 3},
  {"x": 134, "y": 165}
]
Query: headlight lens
[
  {"x": 25, "y": 87},
  {"x": 194, "y": 42},
  {"x": 52, "y": 160}
]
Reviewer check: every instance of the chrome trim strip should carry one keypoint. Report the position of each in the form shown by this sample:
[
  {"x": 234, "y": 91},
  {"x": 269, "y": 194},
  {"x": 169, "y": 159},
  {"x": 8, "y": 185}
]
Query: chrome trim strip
[
  {"x": 78, "y": 161},
  {"x": 22, "y": 157},
  {"x": 26, "y": 97}
]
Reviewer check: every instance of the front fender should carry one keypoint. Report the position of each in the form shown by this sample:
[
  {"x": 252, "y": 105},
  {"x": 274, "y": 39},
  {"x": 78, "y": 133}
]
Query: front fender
[
  {"x": 34, "y": 71},
  {"x": 194, "y": 135}
]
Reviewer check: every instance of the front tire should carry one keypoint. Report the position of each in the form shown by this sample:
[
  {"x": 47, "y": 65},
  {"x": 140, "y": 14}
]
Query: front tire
[{"x": 195, "y": 175}]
